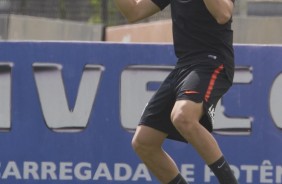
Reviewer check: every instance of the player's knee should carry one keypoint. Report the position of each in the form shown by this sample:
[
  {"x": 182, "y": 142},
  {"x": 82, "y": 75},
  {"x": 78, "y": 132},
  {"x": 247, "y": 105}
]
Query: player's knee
[
  {"x": 134, "y": 144},
  {"x": 185, "y": 116},
  {"x": 183, "y": 123},
  {"x": 140, "y": 146}
]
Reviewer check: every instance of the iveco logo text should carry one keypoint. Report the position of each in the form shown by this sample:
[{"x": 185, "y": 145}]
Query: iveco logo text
[{"x": 58, "y": 116}]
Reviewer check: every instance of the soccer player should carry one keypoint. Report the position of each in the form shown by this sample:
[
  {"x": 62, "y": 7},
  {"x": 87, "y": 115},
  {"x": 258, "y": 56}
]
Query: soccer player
[{"x": 183, "y": 107}]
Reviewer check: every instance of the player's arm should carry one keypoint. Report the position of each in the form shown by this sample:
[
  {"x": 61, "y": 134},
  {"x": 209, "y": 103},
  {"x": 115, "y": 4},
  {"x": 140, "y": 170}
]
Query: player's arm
[
  {"x": 220, "y": 9},
  {"x": 134, "y": 10}
]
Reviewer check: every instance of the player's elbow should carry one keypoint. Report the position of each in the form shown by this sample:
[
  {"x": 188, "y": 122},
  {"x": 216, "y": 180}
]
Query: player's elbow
[
  {"x": 132, "y": 19},
  {"x": 129, "y": 18},
  {"x": 223, "y": 18}
]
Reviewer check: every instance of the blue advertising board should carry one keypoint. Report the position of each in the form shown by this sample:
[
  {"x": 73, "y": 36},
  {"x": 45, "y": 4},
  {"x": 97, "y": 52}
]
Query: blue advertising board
[{"x": 69, "y": 109}]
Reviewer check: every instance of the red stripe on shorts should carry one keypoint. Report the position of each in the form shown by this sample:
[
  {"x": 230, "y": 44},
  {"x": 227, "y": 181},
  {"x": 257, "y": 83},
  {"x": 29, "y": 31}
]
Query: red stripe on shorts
[{"x": 212, "y": 81}]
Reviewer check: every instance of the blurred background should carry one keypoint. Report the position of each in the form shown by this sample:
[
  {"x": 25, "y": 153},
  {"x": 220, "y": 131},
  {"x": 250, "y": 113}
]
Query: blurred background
[
  {"x": 254, "y": 21},
  {"x": 54, "y": 61}
]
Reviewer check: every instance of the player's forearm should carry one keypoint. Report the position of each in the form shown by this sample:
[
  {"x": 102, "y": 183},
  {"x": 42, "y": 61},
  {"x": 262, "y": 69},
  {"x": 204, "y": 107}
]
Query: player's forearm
[
  {"x": 126, "y": 7},
  {"x": 134, "y": 10},
  {"x": 220, "y": 9}
]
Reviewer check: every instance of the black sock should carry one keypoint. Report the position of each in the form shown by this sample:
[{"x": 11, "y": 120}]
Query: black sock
[
  {"x": 178, "y": 180},
  {"x": 222, "y": 171}
]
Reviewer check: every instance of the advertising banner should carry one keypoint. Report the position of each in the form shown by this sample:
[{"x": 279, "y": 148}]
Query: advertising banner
[{"x": 68, "y": 111}]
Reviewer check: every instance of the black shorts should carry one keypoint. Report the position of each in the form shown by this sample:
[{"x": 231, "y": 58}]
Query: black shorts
[{"x": 205, "y": 82}]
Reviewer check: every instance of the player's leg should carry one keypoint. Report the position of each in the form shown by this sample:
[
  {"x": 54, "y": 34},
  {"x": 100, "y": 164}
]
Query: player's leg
[
  {"x": 147, "y": 143},
  {"x": 155, "y": 125},
  {"x": 193, "y": 111},
  {"x": 185, "y": 117}
]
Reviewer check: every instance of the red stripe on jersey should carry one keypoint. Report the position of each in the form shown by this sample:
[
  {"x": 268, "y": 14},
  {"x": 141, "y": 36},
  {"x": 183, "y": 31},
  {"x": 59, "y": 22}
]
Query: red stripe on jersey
[{"x": 212, "y": 81}]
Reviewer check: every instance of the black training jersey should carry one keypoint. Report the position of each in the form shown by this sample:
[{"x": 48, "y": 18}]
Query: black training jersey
[{"x": 197, "y": 34}]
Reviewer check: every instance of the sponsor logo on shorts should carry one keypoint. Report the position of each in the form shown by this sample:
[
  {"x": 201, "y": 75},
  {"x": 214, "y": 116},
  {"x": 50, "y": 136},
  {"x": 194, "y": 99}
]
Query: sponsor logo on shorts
[
  {"x": 211, "y": 112},
  {"x": 212, "y": 56}
]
